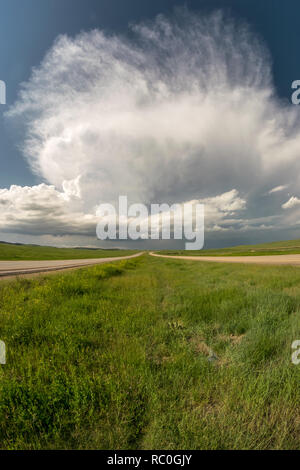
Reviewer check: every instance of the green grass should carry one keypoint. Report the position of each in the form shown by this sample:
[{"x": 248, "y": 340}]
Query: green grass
[
  {"x": 35, "y": 252},
  {"x": 274, "y": 248},
  {"x": 151, "y": 353}
]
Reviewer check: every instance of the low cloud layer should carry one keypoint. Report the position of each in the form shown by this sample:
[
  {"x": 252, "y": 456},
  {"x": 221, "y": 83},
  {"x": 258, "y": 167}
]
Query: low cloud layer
[
  {"x": 183, "y": 110},
  {"x": 42, "y": 210}
]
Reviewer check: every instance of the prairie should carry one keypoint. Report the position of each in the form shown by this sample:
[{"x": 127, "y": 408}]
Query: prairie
[
  {"x": 14, "y": 252},
  {"x": 151, "y": 353},
  {"x": 273, "y": 248}
]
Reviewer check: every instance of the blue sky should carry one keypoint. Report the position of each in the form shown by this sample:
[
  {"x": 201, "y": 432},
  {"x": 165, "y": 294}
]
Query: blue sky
[{"x": 28, "y": 29}]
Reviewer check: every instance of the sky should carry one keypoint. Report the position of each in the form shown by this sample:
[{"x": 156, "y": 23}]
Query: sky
[{"x": 162, "y": 101}]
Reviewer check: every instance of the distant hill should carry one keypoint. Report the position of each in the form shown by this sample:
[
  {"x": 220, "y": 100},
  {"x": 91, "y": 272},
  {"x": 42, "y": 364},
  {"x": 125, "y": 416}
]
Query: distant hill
[
  {"x": 271, "y": 248},
  {"x": 20, "y": 251}
]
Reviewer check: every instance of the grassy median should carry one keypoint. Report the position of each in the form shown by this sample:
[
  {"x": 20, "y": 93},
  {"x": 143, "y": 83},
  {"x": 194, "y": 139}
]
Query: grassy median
[{"x": 151, "y": 353}]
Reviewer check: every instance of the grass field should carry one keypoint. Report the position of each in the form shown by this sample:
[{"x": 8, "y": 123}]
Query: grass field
[
  {"x": 151, "y": 353},
  {"x": 34, "y": 252},
  {"x": 273, "y": 248}
]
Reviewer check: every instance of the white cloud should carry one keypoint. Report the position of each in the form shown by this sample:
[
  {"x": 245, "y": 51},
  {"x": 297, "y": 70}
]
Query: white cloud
[
  {"x": 292, "y": 202},
  {"x": 220, "y": 211},
  {"x": 186, "y": 110},
  {"x": 71, "y": 188},
  {"x": 226, "y": 203},
  {"x": 278, "y": 188},
  {"x": 40, "y": 210},
  {"x": 43, "y": 210}
]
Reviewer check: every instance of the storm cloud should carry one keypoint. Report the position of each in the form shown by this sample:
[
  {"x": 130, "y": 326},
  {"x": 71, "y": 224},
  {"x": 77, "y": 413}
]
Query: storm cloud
[{"x": 182, "y": 108}]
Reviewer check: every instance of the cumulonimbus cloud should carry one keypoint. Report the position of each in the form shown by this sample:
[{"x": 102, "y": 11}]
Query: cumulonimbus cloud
[{"x": 183, "y": 110}]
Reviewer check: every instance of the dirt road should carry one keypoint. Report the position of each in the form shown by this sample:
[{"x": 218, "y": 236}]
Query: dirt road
[
  {"x": 16, "y": 268},
  {"x": 293, "y": 260}
]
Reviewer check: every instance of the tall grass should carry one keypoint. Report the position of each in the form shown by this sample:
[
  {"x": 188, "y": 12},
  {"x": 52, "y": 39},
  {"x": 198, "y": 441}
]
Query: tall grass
[{"x": 151, "y": 353}]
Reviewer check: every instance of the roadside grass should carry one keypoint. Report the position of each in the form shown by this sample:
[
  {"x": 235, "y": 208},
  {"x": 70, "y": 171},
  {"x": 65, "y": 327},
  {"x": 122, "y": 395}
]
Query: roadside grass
[
  {"x": 151, "y": 353},
  {"x": 35, "y": 252}
]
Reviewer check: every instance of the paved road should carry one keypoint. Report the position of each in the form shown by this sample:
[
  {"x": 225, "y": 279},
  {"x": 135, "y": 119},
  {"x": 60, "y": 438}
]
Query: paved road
[
  {"x": 293, "y": 260},
  {"x": 16, "y": 268}
]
